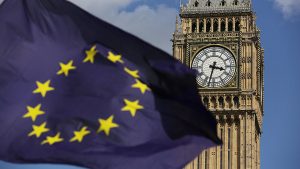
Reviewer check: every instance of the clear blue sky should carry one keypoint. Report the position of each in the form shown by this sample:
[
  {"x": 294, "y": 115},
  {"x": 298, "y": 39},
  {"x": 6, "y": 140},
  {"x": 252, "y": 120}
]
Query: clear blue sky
[{"x": 280, "y": 146}]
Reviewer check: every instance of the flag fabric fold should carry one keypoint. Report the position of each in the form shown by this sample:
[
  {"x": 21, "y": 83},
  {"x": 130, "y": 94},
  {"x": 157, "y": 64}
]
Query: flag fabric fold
[{"x": 77, "y": 90}]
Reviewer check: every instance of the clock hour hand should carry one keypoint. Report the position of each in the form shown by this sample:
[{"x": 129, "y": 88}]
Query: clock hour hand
[
  {"x": 214, "y": 66},
  {"x": 220, "y": 68}
]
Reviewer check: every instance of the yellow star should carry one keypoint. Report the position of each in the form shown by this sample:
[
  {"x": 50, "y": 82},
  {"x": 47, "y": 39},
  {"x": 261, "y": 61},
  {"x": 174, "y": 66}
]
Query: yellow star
[
  {"x": 79, "y": 135},
  {"x": 133, "y": 73},
  {"x": 139, "y": 85},
  {"x": 43, "y": 88},
  {"x": 132, "y": 106},
  {"x": 34, "y": 112},
  {"x": 38, "y": 130},
  {"x": 107, "y": 125},
  {"x": 53, "y": 140},
  {"x": 115, "y": 58},
  {"x": 90, "y": 55},
  {"x": 65, "y": 68}
]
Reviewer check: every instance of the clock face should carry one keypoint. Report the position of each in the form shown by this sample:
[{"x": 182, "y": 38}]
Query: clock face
[{"x": 216, "y": 67}]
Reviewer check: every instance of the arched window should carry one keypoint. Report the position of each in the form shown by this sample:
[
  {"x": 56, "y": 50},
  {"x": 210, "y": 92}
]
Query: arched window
[
  {"x": 194, "y": 26},
  {"x": 208, "y": 3},
  {"x": 205, "y": 101},
  {"x": 230, "y": 26},
  {"x": 223, "y": 26},
  {"x": 214, "y": 102},
  {"x": 237, "y": 25},
  {"x": 228, "y": 102},
  {"x": 196, "y": 4},
  {"x": 208, "y": 26},
  {"x": 223, "y": 3},
  {"x": 216, "y": 26},
  {"x": 236, "y": 102},
  {"x": 221, "y": 102},
  {"x": 235, "y": 2},
  {"x": 201, "y": 26}
]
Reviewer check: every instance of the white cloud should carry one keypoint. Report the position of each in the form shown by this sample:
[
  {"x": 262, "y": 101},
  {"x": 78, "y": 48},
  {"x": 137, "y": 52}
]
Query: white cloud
[
  {"x": 107, "y": 8},
  {"x": 154, "y": 25},
  {"x": 289, "y": 7}
]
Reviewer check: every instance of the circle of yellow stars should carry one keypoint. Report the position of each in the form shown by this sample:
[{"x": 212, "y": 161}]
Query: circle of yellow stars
[{"x": 105, "y": 125}]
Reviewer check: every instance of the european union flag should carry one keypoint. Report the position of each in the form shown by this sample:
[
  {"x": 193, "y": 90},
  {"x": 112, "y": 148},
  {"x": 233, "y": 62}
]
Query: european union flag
[{"x": 76, "y": 90}]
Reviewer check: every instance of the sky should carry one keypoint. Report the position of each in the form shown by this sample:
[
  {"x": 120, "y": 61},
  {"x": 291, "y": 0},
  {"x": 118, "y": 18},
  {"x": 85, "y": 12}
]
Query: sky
[{"x": 278, "y": 20}]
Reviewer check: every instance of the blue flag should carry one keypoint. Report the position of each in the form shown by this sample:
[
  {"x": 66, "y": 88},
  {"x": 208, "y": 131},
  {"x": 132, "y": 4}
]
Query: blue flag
[{"x": 76, "y": 90}]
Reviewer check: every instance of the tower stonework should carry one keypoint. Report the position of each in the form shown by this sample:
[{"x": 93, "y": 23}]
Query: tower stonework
[{"x": 220, "y": 39}]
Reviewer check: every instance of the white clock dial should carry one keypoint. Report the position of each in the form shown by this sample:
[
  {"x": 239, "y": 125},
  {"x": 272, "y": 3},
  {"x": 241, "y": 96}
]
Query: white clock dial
[{"x": 216, "y": 67}]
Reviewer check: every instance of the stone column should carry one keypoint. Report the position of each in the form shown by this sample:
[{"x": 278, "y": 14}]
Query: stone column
[
  {"x": 212, "y": 159},
  {"x": 248, "y": 141},
  {"x": 232, "y": 102},
  {"x": 209, "y": 103},
  {"x": 249, "y": 66},
  {"x": 184, "y": 25},
  {"x": 194, "y": 163},
  {"x": 225, "y": 143},
  {"x": 254, "y": 67},
  {"x": 258, "y": 152},
  {"x": 217, "y": 102},
  {"x": 233, "y": 23},
  {"x": 243, "y": 64},
  {"x": 190, "y": 25},
  {"x": 253, "y": 133},
  {"x": 218, "y": 147},
  {"x": 226, "y": 24},
  {"x": 234, "y": 143},
  {"x": 202, "y": 157},
  {"x": 198, "y": 30},
  {"x": 219, "y": 24},
  {"x": 204, "y": 23},
  {"x": 211, "y": 24},
  {"x": 242, "y": 141}
]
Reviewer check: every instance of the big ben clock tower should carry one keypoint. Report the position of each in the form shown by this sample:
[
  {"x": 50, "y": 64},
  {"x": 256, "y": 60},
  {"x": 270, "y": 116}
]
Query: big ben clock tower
[{"x": 220, "y": 40}]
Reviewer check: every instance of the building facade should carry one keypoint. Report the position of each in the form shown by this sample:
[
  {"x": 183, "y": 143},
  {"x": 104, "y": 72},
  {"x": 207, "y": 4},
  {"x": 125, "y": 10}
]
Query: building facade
[{"x": 220, "y": 39}]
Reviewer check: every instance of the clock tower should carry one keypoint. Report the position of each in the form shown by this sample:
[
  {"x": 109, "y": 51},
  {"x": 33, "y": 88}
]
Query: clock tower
[{"x": 220, "y": 40}]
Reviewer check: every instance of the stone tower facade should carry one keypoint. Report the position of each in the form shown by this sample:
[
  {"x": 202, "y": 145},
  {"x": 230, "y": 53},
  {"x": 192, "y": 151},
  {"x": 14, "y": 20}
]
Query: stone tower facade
[{"x": 220, "y": 39}]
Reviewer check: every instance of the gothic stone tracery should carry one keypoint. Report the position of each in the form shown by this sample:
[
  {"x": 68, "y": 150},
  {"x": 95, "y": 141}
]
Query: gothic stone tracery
[{"x": 238, "y": 107}]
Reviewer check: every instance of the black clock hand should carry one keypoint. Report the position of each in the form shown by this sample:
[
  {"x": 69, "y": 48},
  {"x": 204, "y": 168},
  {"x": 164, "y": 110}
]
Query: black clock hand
[
  {"x": 212, "y": 71},
  {"x": 220, "y": 68},
  {"x": 213, "y": 67}
]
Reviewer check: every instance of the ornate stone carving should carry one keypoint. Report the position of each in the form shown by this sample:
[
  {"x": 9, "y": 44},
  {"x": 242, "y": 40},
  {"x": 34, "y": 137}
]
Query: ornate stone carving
[
  {"x": 238, "y": 107},
  {"x": 215, "y": 6}
]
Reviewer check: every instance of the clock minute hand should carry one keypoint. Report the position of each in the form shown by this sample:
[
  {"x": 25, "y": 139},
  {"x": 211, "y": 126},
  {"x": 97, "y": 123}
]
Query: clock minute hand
[
  {"x": 213, "y": 67},
  {"x": 212, "y": 71}
]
